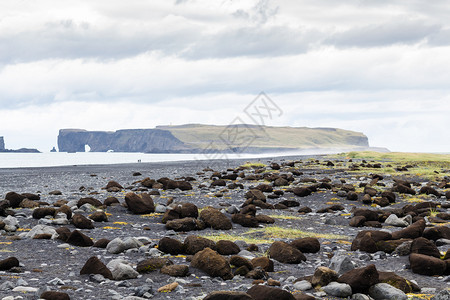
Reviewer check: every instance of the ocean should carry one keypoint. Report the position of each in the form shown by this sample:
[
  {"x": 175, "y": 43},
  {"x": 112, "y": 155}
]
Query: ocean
[{"x": 54, "y": 159}]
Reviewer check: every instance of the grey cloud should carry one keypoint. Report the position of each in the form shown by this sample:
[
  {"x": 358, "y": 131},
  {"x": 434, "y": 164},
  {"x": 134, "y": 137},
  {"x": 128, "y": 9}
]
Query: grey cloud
[{"x": 376, "y": 35}]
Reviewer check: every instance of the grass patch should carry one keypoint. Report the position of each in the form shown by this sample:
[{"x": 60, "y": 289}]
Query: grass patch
[
  {"x": 234, "y": 237},
  {"x": 397, "y": 156},
  {"x": 283, "y": 217},
  {"x": 271, "y": 232},
  {"x": 254, "y": 165}
]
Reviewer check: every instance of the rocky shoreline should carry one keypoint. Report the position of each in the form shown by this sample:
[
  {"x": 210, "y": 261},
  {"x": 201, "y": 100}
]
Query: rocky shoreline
[{"x": 288, "y": 228}]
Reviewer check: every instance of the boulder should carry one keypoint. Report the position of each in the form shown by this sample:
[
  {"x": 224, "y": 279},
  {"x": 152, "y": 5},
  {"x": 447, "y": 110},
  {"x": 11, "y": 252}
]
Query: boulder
[
  {"x": 411, "y": 232},
  {"x": 175, "y": 270},
  {"x": 8, "y": 263},
  {"x": 52, "y": 295},
  {"x": 193, "y": 244},
  {"x": 360, "y": 279},
  {"x": 140, "y": 204},
  {"x": 337, "y": 289},
  {"x": 14, "y": 199},
  {"x": 323, "y": 276},
  {"x": 81, "y": 222},
  {"x": 285, "y": 253},
  {"x": 215, "y": 219},
  {"x": 228, "y": 295},
  {"x": 99, "y": 216},
  {"x": 121, "y": 270},
  {"x": 225, "y": 247},
  {"x": 264, "y": 263},
  {"x": 79, "y": 239},
  {"x": 239, "y": 261},
  {"x": 245, "y": 220},
  {"x": 366, "y": 240},
  {"x": 185, "y": 224},
  {"x": 118, "y": 245},
  {"x": 152, "y": 264},
  {"x": 426, "y": 247},
  {"x": 94, "y": 266},
  {"x": 427, "y": 265},
  {"x": 89, "y": 200},
  {"x": 398, "y": 282},
  {"x": 212, "y": 263},
  {"x": 307, "y": 245},
  {"x": 381, "y": 291},
  {"x": 170, "y": 246},
  {"x": 436, "y": 233},
  {"x": 301, "y": 191},
  {"x": 262, "y": 292}
]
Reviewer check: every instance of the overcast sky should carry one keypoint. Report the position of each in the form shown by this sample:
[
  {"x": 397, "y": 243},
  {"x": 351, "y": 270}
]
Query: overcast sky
[{"x": 375, "y": 66}]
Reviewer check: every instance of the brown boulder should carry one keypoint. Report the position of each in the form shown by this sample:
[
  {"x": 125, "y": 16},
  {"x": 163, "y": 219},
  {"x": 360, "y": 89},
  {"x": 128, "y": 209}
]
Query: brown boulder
[
  {"x": 113, "y": 186},
  {"x": 307, "y": 245},
  {"x": 255, "y": 195},
  {"x": 360, "y": 279},
  {"x": 193, "y": 244},
  {"x": 366, "y": 240},
  {"x": 357, "y": 221},
  {"x": 63, "y": 233},
  {"x": 66, "y": 210},
  {"x": 228, "y": 295},
  {"x": 140, "y": 204},
  {"x": 212, "y": 263},
  {"x": 215, "y": 219},
  {"x": 427, "y": 265},
  {"x": 52, "y": 295},
  {"x": 264, "y": 263},
  {"x": 101, "y": 243},
  {"x": 398, "y": 282},
  {"x": 285, "y": 253},
  {"x": 89, "y": 200},
  {"x": 239, "y": 261},
  {"x": 81, "y": 222},
  {"x": 27, "y": 203},
  {"x": 8, "y": 263},
  {"x": 301, "y": 191},
  {"x": 99, "y": 216},
  {"x": 94, "y": 266},
  {"x": 79, "y": 239},
  {"x": 175, "y": 270},
  {"x": 436, "y": 233},
  {"x": 185, "y": 224},
  {"x": 41, "y": 212},
  {"x": 245, "y": 220},
  {"x": 14, "y": 199},
  {"x": 426, "y": 247},
  {"x": 170, "y": 246},
  {"x": 152, "y": 264},
  {"x": 111, "y": 201},
  {"x": 225, "y": 247},
  {"x": 413, "y": 231},
  {"x": 262, "y": 292},
  {"x": 323, "y": 276}
]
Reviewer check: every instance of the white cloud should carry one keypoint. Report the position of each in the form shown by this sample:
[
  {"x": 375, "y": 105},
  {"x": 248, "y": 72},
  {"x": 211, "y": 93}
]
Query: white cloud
[{"x": 373, "y": 66}]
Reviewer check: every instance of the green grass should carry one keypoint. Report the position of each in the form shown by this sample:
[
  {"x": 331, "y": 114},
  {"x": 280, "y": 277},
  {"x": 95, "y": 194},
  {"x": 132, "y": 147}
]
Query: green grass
[
  {"x": 400, "y": 157},
  {"x": 271, "y": 232},
  {"x": 249, "y": 165},
  {"x": 234, "y": 237},
  {"x": 423, "y": 165},
  {"x": 203, "y": 136}
]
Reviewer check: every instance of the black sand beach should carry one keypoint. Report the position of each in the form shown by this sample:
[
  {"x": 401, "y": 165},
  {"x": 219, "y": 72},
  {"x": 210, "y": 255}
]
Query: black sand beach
[{"x": 52, "y": 264}]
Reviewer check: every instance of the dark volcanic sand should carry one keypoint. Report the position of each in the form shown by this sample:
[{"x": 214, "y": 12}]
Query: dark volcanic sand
[{"x": 43, "y": 261}]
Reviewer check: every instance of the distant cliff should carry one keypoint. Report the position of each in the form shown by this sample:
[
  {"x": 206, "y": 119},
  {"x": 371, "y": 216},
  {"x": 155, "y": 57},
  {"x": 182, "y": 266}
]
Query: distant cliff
[
  {"x": 130, "y": 140},
  {"x": 21, "y": 150},
  {"x": 194, "y": 138}
]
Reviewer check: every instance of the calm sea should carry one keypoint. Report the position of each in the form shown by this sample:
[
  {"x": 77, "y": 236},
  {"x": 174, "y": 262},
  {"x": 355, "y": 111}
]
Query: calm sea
[{"x": 23, "y": 160}]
